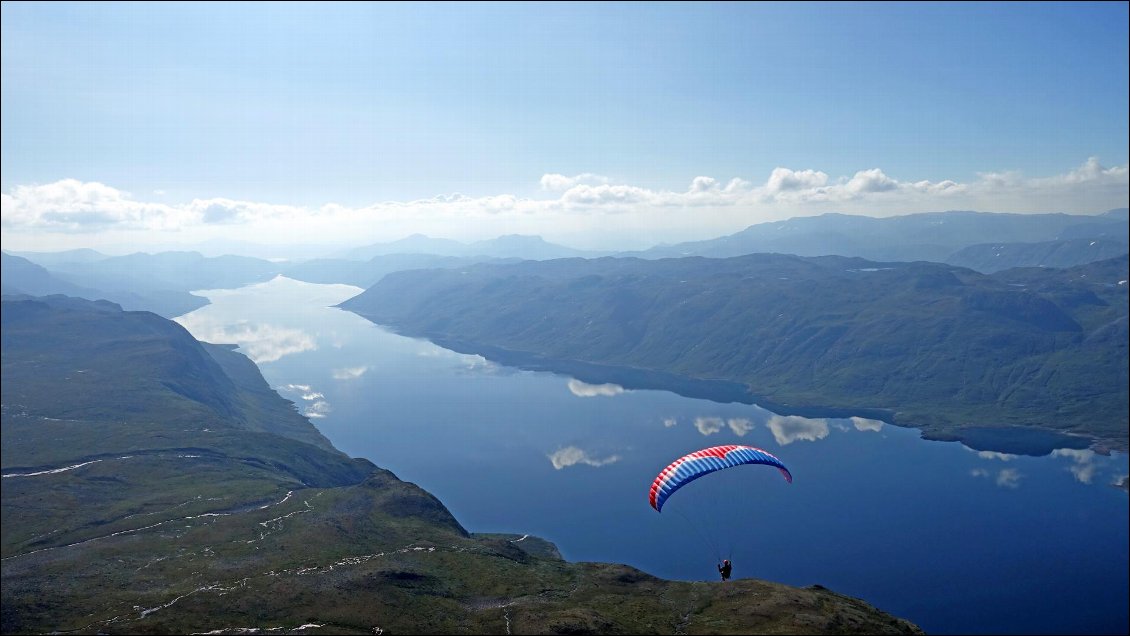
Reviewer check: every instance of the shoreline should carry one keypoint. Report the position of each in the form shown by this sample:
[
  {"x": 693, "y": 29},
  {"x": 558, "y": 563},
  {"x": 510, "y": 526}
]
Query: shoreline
[{"x": 1012, "y": 439}]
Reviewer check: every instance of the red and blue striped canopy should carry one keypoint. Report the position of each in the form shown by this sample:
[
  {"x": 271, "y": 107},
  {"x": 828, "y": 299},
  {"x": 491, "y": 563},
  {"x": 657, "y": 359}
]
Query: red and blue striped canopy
[{"x": 690, "y": 467}]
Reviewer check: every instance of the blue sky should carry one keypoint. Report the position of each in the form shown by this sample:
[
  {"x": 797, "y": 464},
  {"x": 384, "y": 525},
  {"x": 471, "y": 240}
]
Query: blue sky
[{"x": 595, "y": 125}]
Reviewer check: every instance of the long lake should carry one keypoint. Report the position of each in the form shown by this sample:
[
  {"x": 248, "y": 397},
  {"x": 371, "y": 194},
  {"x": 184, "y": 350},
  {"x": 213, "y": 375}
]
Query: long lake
[{"x": 955, "y": 540}]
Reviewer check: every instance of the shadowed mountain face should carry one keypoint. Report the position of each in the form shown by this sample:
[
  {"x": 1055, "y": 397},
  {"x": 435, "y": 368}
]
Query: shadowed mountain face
[
  {"x": 155, "y": 484},
  {"x": 996, "y": 257},
  {"x": 184, "y": 271},
  {"x": 21, "y": 276},
  {"x": 134, "y": 292},
  {"x": 929, "y": 345}
]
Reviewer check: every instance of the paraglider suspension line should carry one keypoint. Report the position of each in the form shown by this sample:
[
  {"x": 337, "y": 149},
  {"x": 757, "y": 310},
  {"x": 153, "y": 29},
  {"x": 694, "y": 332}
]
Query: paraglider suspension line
[{"x": 705, "y": 535}]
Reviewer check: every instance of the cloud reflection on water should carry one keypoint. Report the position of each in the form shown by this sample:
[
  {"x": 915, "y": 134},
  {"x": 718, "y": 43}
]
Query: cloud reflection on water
[
  {"x": 571, "y": 456},
  {"x": 349, "y": 373},
  {"x": 584, "y": 389},
  {"x": 708, "y": 425},
  {"x": 316, "y": 407},
  {"x": 739, "y": 425},
  {"x": 865, "y": 424},
  {"x": 259, "y": 341},
  {"x": 1004, "y": 457},
  {"x": 1006, "y": 477},
  {"x": 472, "y": 362},
  {"x": 1083, "y": 466},
  {"x": 790, "y": 428},
  {"x": 711, "y": 425}
]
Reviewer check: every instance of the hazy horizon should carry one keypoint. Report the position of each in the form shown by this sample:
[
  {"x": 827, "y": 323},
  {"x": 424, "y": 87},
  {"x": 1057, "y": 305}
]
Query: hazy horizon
[
  {"x": 305, "y": 251},
  {"x": 612, "y": 127}
]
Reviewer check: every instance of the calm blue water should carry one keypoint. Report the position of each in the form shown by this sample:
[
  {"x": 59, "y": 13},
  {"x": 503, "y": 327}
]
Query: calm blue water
[{"x": 954, "y": 540}]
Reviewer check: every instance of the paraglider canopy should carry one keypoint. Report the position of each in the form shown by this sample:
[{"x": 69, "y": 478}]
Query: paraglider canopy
[{"x": 690, "y": 467}]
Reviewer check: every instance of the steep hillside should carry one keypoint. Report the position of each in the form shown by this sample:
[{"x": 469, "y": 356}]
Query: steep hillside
[
  {"x": 929, "y": 345},
  {"x": 21, "y": 276},
  {"x": 182, "y": 271},
  {"x": 367, "y": 273},
  {"x": 996, "y": 257}
]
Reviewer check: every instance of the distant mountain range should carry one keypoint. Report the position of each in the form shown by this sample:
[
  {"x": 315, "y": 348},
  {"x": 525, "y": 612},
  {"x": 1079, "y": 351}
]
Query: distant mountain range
[
  {"x": 913, "y": 237},
  {"x": 151, "y": 282},
  {"x": 366, "y": 273},
  {"x": 155, "y": 484},
  {"x": 510, "y": 246},
  {"x": 1027, "y": 240},
  {"x": 21, "y": 276},
  {"x": 981, "y": 241},
  {"x": 995, "y": 257},
  {"x": 931, "y": 345}
]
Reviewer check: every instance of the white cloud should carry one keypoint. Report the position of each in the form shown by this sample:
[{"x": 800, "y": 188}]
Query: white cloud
[
  {"x": 583, "y": 389},
  {"x": 571, "y": 456},
  {"x": 611, "y": 197},
  {"x": 737, "y": 185},
  {"x": 785, "y": 180},
  {"x": 872, "y": 180},
  {"x": 1092, "y": 172},
  {"x": 790, "y": 428},
  {"x": 560, "y": 183},
  {"x": 704, "y": 184},
  {"x": 70, "y": 205},
  {"x": 669, "y": 422},
  {"x": 586, "y": 206}
]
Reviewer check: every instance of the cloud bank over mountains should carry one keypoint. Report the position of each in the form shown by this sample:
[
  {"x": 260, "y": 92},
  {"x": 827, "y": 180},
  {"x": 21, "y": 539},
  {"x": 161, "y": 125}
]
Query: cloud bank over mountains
[{"x": 570, "y": 208}]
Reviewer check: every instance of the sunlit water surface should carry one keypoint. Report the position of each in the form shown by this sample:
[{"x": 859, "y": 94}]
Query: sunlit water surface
[{"x": 955, "y": 540}]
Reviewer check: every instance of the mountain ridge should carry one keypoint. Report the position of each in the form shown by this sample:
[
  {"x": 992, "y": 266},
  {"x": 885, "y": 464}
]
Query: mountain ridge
[{"x": 938, "y": 347}]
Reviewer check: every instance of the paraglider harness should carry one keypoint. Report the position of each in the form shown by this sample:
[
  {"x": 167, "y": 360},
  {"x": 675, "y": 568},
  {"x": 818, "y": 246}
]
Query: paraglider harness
[{"x": 724, "y": 569}]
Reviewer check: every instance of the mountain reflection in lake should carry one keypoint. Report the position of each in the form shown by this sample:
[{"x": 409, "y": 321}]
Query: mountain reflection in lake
[{"x": 956, "y": 540}]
